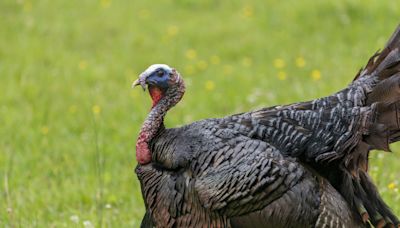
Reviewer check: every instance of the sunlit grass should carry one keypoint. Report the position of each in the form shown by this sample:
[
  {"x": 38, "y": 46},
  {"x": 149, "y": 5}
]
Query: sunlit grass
[{"x": 69, "y": 118}]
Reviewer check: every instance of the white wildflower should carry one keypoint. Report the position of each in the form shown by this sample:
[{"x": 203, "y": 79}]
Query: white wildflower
[
  {"x": 74, "y": 218},
  {"x": 87, "y": 224}
]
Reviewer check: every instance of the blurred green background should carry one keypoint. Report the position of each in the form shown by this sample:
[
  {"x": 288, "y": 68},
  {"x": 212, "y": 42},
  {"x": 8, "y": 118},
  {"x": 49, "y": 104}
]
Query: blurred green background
[{"x": 69, "y": 119}]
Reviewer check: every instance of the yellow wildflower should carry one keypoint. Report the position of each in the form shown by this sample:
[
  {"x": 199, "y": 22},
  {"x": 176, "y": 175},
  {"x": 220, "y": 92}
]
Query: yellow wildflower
[
  {"x": 247, "y": 11},
  {"x": 191, "y": 54},
  {"x": 215, "y": 60},
  {"x": 282, "y": 75},
  {"x": 228, "y": 69},
  {"x": 300, "y": 62},
  {"x": 82, "y": 64},
  {"x": 202, "y": 65},
  {"x": 44, "y": 130},
  {"x": 209, "y": 85},
  {"x": 391, "y": 186},
  {"x": 96, "y": 109},
  {"x": 279, "y": 63},
  {"x": 105, "y": 3},
  {"x": 72, "y": 109},
  {"x": 27, "y": 6},
  {"x": 316, "y": 75},
  {"x": 247, "y": 62},
  {"x": 172, "y": 30}
]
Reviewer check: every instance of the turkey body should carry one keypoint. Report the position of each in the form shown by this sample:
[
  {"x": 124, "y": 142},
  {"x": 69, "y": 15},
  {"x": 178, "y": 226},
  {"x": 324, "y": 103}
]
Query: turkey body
[
  {"x": 216, "y": 182},
  {"x": 298, "y": 165}
]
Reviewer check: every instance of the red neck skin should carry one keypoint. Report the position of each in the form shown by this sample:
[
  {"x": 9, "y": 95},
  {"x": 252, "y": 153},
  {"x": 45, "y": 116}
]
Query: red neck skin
[
  {"x": 162, "y": 102},
  {"x": 156, "y": 95}
]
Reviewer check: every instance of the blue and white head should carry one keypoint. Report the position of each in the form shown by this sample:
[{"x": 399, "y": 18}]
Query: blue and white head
[
  {"x": 161, "y": 80},
  {"x": 158, "y": 75}
]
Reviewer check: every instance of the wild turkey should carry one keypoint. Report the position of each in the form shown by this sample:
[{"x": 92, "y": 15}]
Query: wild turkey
[{"x": 298, "y": 165}]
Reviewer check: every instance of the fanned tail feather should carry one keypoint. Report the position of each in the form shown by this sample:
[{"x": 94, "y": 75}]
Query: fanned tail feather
[{"x": 383, "y": 128}]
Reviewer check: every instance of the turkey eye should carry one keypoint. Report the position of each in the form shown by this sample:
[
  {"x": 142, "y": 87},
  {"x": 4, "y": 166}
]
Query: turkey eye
[{"x": 160, "y": 73}]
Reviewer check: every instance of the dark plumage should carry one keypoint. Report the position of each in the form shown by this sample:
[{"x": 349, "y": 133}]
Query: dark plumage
[{"x": 298, "y": 165}]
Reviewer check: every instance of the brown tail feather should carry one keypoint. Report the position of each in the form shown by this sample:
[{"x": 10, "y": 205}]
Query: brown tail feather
[
  {"x": 385, "y": 95},
  {"x": 394, "y": 40},
  {"x": 387, "y": 91},
  {"x": 386, "y": 123},
  {"x": 392, "y": 44},
  {"x": 382, "y": 75}
]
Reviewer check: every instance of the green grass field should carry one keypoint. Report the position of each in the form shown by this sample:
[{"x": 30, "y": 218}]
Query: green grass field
[{"x": 69, "y": 119}]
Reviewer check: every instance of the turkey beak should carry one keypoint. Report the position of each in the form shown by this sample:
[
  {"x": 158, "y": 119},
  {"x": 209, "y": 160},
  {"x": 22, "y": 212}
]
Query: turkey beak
[{"x": 139, "y": 82}]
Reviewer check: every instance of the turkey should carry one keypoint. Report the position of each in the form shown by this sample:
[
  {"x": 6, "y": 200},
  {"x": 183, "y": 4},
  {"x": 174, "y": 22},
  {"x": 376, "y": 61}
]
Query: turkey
[{"x": 297, "y": 165}]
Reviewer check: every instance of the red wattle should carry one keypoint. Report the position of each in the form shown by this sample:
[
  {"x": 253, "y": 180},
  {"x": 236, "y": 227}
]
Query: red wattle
[
  {"x": 156, "y": 95},
  {"x": 143, "y": 155}
]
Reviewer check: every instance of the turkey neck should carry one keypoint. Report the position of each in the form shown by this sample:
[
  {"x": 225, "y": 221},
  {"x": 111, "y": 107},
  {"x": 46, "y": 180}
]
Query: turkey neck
[{"x": 155, "y": 120}]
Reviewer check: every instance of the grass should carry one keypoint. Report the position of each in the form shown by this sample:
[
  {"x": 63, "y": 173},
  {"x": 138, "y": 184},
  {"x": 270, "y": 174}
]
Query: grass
[{"x": 69, "y": 119}]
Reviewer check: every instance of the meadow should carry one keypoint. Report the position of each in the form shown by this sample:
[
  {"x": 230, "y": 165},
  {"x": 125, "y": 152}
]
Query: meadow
[{"x": 69, "y": 118}]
